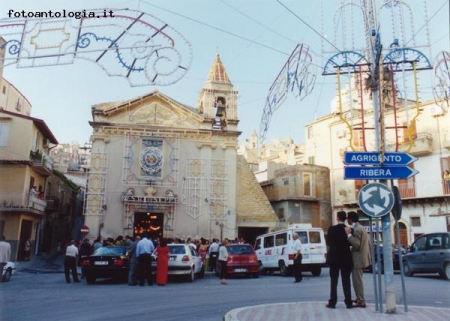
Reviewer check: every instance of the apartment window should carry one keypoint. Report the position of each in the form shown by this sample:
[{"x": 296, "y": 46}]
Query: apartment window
[
  {"x": 307, "y": 188},
  {"x": 285, "y": 181},
  {"x": 311, "y": 160},
  {"x": 4, "y": 133},
  {"x": 4, "y": 90},
  {"x": 281, "y": 213},
  {"x": 415, "y": 221}
]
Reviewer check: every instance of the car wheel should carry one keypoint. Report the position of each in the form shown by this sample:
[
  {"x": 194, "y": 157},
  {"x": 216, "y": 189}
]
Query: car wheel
[
  {"x": 261, "y": 270},
  {"x": 283, "y": 268},
  {"x": 316, "y": 271},
  {"x": 407, "y": 269},
  {"x": 90, "y": 279},
  {"x": 446, "y": 273},
  {"x": 7, "y": 276},
  {"x": 191, "y": 275}
]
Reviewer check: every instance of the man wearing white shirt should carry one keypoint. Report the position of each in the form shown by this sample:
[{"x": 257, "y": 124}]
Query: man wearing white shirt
[
  {"x": 5, "y": 254},
  {"x": 213, "y": 252},
  {"x": 297, "y": 247},
  {"x": 70, "y": 262}
]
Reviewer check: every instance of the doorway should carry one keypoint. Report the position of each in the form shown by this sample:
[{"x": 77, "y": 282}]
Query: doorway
[
  {"x": 25, "y": 234},
  {"x": 150, "y": 223}
]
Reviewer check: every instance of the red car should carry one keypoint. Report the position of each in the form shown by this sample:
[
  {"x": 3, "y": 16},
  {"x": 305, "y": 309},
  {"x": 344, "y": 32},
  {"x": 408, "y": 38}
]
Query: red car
[{"x": 242, "y": 260}]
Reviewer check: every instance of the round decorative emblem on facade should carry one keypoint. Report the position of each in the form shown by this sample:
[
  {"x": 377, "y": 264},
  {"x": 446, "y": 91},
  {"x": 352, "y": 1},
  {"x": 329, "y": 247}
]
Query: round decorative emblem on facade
[{"x": 151, "y": 160}]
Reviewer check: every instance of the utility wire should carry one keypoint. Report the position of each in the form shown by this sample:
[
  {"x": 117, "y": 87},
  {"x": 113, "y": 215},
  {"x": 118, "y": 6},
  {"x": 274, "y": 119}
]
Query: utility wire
[
  {"x": 218, "y": 29},
  {"x": 426, "y": 22},
  {"x": 257, "y": 22}
]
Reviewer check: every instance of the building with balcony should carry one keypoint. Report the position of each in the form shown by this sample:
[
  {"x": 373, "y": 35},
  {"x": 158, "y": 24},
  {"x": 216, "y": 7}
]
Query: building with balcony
[
  {"x": 418, "y": 128},
  {"x": 24, "y": 163}
]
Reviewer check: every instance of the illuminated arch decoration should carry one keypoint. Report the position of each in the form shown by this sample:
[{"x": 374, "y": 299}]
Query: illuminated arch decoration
[
  {"x": 346, "y": 62},
  {"x": 404, "y": 59},
  {"x": 134, "y": 45},
  {"x": 298, "y": 76},
  {"x": 441, "y": 90}
]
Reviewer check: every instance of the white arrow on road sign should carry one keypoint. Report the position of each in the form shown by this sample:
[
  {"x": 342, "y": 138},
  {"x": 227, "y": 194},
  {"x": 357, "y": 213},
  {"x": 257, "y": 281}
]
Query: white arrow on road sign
[{"x": 376, "y": 199}]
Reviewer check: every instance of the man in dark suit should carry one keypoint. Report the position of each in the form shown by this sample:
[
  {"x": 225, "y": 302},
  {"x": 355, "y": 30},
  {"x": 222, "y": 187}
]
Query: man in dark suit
[{"x": 339, "y": 259}]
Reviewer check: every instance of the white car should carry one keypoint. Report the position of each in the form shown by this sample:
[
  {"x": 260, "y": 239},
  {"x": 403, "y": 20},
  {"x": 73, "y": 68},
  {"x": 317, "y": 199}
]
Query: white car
[
  {"x": 183, "y": 260},
  {"x": 8, "y": 271}
]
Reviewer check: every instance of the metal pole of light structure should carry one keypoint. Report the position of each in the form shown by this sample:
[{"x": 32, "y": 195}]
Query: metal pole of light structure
[
  {"x": 376, "y": 50},
  {"x": 373, "y": 264},
  {"x": 378, "y": 271},
  {"x": 400, "y": 262}
]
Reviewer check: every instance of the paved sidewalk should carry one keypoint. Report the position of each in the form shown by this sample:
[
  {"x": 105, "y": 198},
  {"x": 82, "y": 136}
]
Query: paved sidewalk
[{"x": 312, "y": 311}]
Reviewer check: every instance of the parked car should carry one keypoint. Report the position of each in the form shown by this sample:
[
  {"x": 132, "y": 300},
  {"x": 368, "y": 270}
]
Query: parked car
[
  {"x": 106, "y": 262},
  {"x": 430, "y": 253},
  {"x": 242, "y": 260},
  {"x": 8, "y": 271},
  {"x": 394, "y": 255},
  {"x": 184, "y": 260}
]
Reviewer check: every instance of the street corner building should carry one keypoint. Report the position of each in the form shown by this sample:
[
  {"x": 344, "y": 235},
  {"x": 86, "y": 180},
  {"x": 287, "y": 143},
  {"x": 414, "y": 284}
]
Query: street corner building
[{"x": 165, "y": 168}]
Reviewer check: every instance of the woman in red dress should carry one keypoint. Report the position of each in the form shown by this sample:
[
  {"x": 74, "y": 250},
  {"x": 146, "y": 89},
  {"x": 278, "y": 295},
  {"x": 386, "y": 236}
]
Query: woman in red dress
[{"x": 162, "y": 262}]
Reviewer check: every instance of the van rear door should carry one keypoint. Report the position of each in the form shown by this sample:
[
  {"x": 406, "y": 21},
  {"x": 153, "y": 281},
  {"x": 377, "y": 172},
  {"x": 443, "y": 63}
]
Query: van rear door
[{"x": 317, "y": 247}]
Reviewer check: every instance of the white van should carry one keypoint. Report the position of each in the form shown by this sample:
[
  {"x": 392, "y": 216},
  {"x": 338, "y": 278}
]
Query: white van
[{"x": 274, "y": 250}]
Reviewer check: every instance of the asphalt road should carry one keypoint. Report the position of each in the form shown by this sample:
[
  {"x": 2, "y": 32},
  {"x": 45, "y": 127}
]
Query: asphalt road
[{"x": 46, "y": 296}]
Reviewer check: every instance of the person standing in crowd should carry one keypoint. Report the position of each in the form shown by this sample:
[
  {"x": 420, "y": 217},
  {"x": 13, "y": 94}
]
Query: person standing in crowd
[
  {"x": 70, "y": 262},
  {"x": 162, "y": 265},
  {"x": 144, "y": 252},
  {"x": 203, "y": 249},
  {"x": 133, "y": 262},
  {"x": 97, "y": 243},
  {"x": 339, "y": 259},
  {"x": 5, "y": 254},
  {"x": 359, "y": 240},
  {"x": 85, "y": 251},
  {"x": 297, "y": 247},
  {"x": 27, "y": 250},
  {"x": 223, "y": 257},
  {"x": 213, "y": 254}
]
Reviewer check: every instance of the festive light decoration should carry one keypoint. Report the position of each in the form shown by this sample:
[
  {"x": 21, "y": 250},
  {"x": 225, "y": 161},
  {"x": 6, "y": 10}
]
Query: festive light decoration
[
  {"x": 298, "y": 76},
  {"x": 130, "y": 44}
]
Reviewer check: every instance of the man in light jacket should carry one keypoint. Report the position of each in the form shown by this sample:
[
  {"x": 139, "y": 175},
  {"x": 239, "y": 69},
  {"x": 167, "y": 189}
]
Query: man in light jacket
[{"x": 361, "y": 256}]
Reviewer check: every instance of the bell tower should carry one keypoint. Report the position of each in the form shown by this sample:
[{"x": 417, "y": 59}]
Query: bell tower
[{"x": 218, "y": 100}]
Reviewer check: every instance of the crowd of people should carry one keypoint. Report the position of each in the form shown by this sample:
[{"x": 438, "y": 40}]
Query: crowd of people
[{"x": 139, "y": 251}]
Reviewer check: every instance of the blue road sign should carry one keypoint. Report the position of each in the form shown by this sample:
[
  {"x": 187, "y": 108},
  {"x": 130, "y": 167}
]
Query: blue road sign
[
  {"x": 378, "y": 172},
  {"x": 375, "y": 158},
  {"x": 376, "y": 199}
]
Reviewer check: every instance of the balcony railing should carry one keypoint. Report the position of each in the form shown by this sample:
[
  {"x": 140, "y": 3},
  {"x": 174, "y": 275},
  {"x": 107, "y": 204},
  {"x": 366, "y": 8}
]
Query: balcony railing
[
  {"x": 423, "y": 145},
  {"x": 41, "y": 158},
  {"x": 20, "y": 202}
]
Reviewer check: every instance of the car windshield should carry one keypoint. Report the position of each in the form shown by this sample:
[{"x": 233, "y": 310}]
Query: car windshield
[
  {"x": 239, "y": 249},
  {"x": 177, "y": 249},
  {"x": 110, "y": 250}
]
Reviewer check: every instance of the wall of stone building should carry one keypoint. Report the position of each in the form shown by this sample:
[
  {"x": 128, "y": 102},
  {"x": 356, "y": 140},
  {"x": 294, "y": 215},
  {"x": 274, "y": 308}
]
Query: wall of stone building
[{"x": 253, "y": 207}]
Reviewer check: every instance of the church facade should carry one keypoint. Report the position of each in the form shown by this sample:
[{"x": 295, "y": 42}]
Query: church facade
[{"x": 165, "y": 168}]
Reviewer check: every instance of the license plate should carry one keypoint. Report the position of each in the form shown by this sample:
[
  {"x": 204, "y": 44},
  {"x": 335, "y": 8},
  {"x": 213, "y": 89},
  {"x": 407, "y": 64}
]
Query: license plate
[
  {"x": 101, "y": 263},
  {"x": 240, "y": 270},
  {"x": 172, "y": 258}
]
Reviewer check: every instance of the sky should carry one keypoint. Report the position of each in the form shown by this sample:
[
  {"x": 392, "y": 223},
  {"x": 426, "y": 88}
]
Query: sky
[{"x": 254, "y": 39}]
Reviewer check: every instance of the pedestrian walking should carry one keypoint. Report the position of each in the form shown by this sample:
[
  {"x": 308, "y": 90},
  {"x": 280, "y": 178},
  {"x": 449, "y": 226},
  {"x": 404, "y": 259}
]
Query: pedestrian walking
[
  {"x": 5, "y": 254},
  {"x": 70, "y": 262},
  {"x": 144, "y": 252}
]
